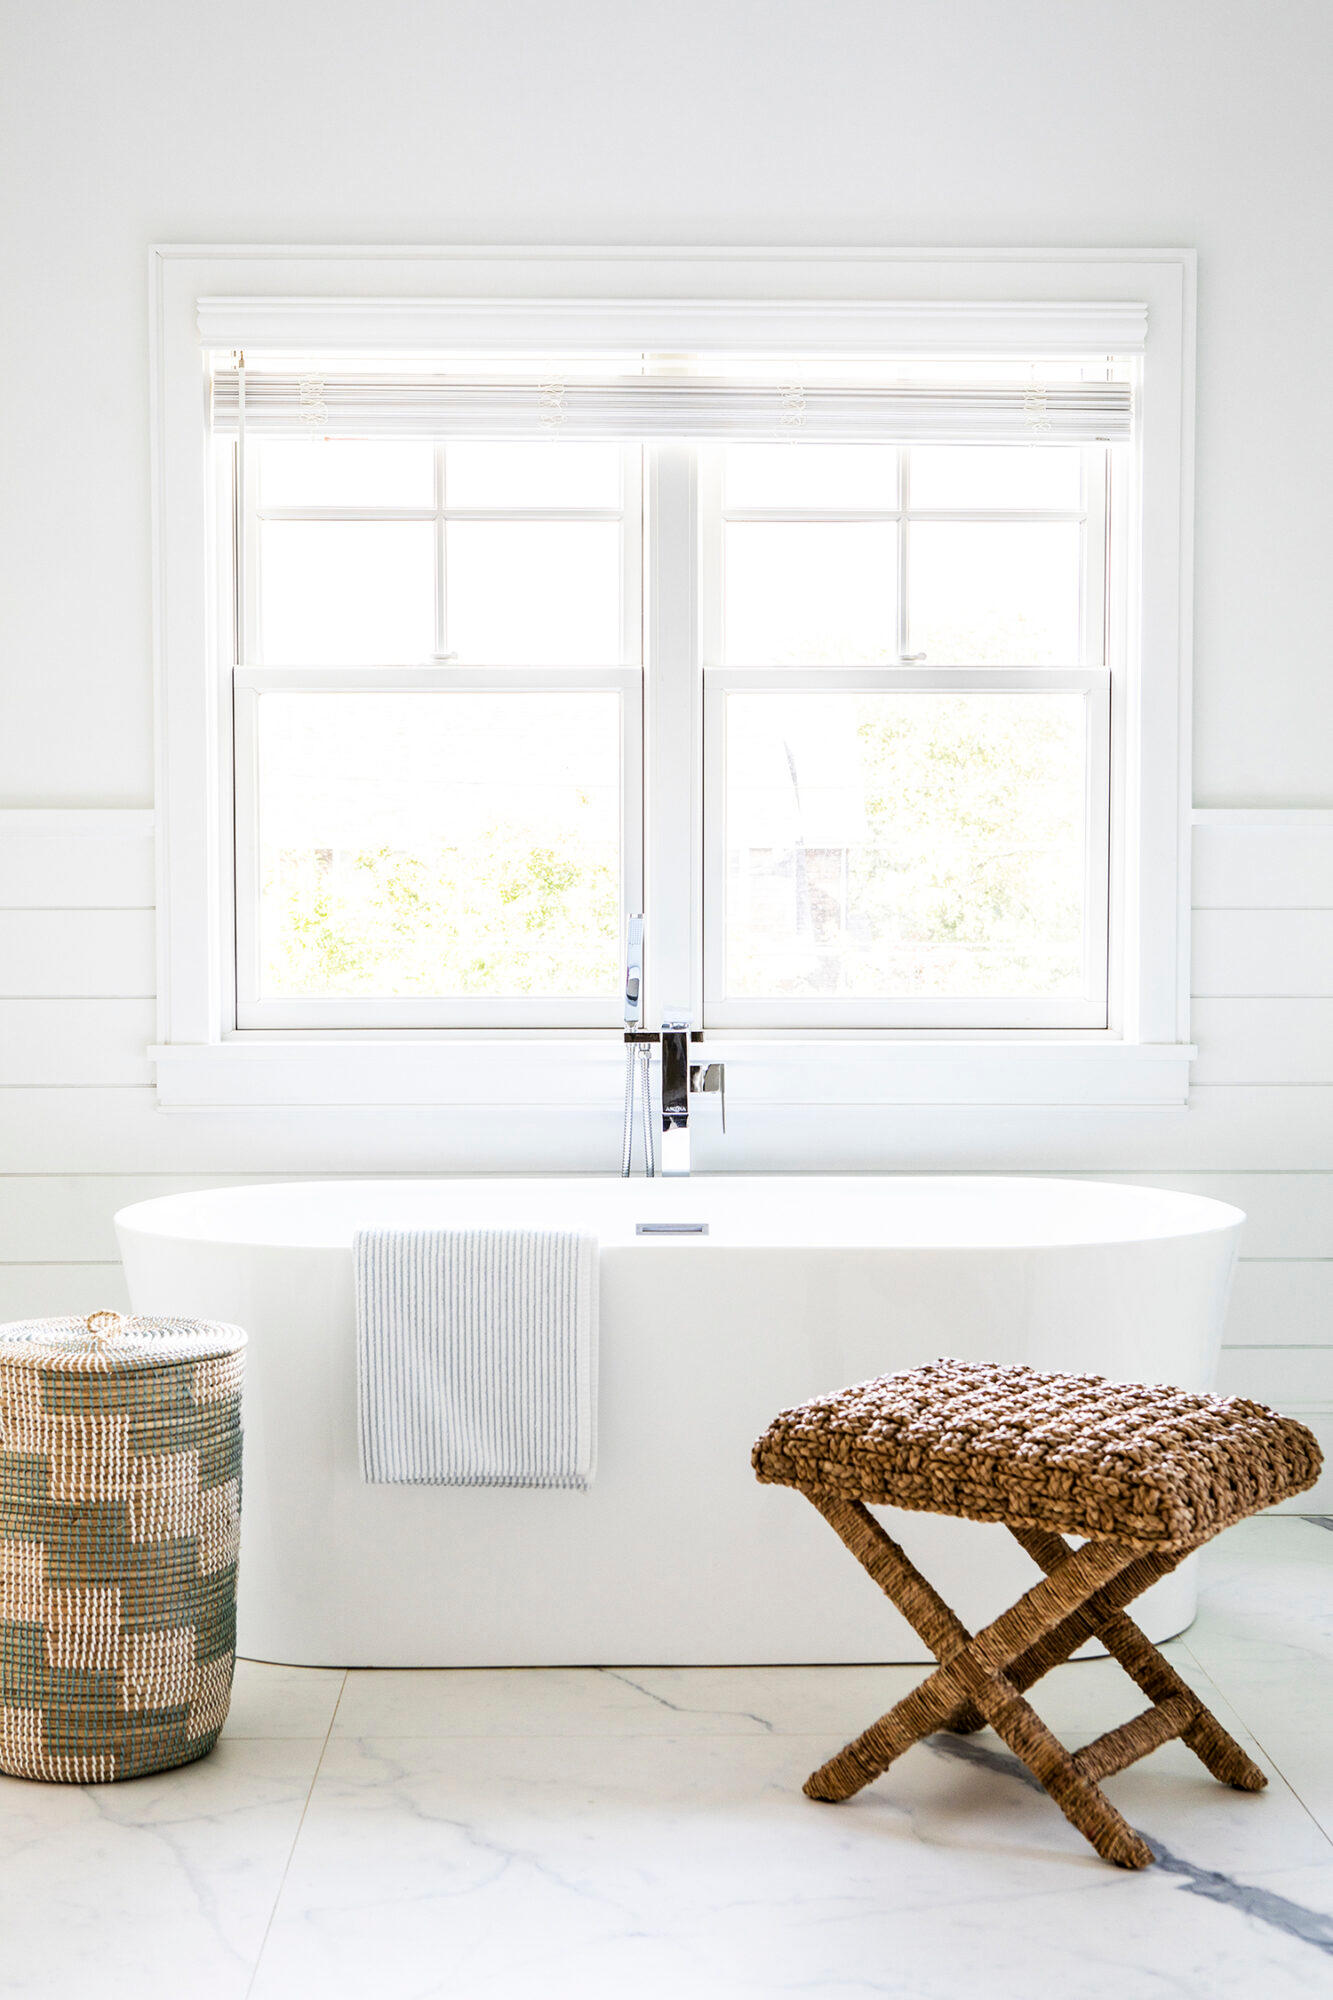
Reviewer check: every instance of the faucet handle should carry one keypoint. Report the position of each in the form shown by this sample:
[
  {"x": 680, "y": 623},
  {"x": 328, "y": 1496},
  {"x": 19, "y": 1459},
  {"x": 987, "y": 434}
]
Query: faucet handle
[{"x": 711, "y": 1079}]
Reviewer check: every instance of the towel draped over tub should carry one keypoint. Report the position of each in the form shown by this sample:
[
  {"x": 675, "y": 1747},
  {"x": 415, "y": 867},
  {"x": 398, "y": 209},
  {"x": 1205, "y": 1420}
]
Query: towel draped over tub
[{"x": 477, "y": 1356}]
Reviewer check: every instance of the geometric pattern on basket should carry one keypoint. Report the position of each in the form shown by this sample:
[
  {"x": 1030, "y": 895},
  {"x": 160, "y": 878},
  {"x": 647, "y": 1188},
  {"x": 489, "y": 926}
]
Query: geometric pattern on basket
[
  {"x": 1145, "y": 1464},
  {"x": 120, "y": 1467}
]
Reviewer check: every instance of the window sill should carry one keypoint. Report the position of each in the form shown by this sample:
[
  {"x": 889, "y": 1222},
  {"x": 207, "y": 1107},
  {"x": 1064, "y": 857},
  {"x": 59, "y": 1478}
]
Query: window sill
[{"x": 256, "y": 1070}]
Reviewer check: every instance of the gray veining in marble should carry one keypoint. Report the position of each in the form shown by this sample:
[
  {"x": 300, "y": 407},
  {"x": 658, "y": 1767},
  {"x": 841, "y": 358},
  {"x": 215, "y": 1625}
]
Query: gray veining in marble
[{"x": 1311, "y": 1926}]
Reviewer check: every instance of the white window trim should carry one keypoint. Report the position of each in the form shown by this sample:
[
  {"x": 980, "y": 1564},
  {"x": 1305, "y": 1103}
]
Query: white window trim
[{"x": 297, "y": 300}]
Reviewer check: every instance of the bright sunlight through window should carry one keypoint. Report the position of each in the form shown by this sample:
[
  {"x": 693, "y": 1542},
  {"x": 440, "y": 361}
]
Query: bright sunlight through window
[{"x": 903, "y": 670}]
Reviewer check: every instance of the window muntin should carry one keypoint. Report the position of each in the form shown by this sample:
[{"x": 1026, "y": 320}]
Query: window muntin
[
  {"x": 861, "y": 529},
  {"x": 860, "y": 555}
]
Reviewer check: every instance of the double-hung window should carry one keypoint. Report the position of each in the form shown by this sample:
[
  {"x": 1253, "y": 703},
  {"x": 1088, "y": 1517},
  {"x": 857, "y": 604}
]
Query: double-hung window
[
  {"x": 910, "y": 658},
  {"x": 832, "y": 611},
  {"x": 437, "y": 725},
  {"x": 903, "y": 583}
]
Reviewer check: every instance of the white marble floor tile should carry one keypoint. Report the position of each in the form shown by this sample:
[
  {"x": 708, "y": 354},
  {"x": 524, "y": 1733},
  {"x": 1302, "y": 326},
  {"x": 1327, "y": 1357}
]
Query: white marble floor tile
[
  {"x": 807, "y": 1701},
  {"x": 614, "y": 1701},
  {"x": 655, "y": 1867},
  {"x": 1304, "y": 1756},
  {"x": 707, "y": 1701},
  {"x": 1092, "y": 1695},
  {"x": 640, "y": 1834},
  {"x": 1172, "y": 1800},
  {"x": 1283, "y": 1691},
  {"x": 157, "y": 1889},
  {"x": 1309, "y": 1889},
  {"x": 282, "y": 1701},
  {"x": 1266, "y": 1593}
]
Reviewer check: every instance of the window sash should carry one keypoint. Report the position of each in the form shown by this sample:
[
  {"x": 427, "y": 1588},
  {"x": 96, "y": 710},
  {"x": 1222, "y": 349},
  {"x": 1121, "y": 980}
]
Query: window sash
[
  {"x": 629, "y": 514},
  {"x": 1093, "y": 515},
  {"x": 1090, "y": 1010},
  {"x": 427, "y": 1011}
]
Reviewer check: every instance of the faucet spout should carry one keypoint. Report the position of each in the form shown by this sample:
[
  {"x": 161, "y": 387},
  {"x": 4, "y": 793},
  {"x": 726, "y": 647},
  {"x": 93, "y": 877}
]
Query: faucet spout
[{"x": 675, "y": 1096}]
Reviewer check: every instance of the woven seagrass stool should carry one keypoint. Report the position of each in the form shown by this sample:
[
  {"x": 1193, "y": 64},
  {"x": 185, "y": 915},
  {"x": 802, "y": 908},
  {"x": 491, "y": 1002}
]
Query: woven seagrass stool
[
  {"x": 1143, "y": 1475},
  {"x": 120, "y": 1467}
]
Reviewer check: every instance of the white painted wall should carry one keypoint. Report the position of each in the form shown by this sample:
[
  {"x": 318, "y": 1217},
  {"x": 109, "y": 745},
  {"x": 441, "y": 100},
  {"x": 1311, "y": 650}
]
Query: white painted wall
[
  {"x": 1104, "y": 122},
  {"x": 1033, "y": 122}
]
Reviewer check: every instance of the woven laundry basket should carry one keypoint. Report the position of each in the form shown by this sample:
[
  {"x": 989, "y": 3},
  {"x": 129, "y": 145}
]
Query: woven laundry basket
[{"x": 120, "y": 1477}]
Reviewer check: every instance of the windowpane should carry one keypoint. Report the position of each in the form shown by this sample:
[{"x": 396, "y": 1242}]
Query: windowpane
[
  {"x": 994, "y": 593},
  {"x": 810, "y": 593},
  {"x": 1027, "y": 476},
  {"x": 341, "y": 472},
  {"x": 905, "y": 844},
  {"x": 439, "y": 844},
  {"x": 532, "y": 475},
  {"x": 347, "y": 593},
  {"x": 534, "y": 593},
  {"x": 803, "y": 477}
]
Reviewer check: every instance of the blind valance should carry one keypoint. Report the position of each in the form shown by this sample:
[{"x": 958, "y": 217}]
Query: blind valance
[{"x": 346, "y": 405}]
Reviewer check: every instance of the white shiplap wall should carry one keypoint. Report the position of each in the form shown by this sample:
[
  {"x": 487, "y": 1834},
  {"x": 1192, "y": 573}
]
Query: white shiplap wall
[{"x": 81, "y": 1134}]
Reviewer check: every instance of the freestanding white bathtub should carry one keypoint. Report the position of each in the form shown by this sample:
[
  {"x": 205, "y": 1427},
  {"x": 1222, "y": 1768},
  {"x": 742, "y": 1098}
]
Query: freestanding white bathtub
[{"x": 676, "y": 1555}]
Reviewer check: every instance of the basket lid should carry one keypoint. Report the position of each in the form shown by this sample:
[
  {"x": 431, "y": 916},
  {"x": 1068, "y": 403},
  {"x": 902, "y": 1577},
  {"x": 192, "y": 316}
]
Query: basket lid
[{"x": 106, "y": 1341}]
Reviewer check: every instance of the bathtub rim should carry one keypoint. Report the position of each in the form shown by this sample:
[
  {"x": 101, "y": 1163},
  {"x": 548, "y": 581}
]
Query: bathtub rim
[{"x": 174, "y": 1218}]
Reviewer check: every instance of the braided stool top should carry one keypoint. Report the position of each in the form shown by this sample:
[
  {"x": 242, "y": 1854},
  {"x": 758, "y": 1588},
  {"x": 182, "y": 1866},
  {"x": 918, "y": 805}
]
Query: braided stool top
[{"x": 1146, "y": 1464}]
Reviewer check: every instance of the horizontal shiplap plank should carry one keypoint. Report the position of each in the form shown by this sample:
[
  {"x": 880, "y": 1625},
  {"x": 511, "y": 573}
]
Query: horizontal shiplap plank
[
  {"x": 1290, "y": 1378},
  {"x": 1263, "y": 952},
  {"x": 1254, "y": 866},
  {"x": 42, "y": 1291},
  {"x": 67, "y": 1218},
  {"x": 1286, "y": 1215},
  {"x": 1263, "y": 1040},
  {"x": 1299, "y": 1382},
  {"x": 1282, "y": 1304},
  {"x": 76, "y": 952},
  {"x": 123, "y": 1131},
  {"x": 72, "y": 871},
  {"x": 75, "y": 1041}
]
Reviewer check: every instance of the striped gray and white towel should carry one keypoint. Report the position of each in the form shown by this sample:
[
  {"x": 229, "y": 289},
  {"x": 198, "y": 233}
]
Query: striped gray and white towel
[{"x": 477, "y": 1356}]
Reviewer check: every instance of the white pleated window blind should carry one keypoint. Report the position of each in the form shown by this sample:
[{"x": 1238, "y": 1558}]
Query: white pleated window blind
[{"x": 354, "y": 405}]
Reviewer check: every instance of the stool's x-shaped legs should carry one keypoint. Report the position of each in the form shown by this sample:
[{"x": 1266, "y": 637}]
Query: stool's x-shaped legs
[{"x": 981, "y": 1679}]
